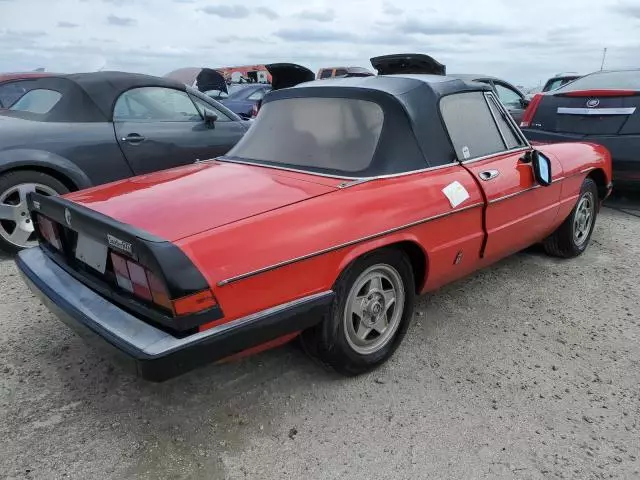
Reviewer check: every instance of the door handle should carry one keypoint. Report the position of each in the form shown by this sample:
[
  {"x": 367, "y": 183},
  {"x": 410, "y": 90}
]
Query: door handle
[
  {"x": 133, "y": 138},
  {"x": 488, "y": 174}
]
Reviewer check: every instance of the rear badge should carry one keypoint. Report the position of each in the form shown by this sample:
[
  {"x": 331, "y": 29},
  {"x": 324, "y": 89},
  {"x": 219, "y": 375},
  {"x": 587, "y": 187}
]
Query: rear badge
[
  {"x": 36, "y": 205},
  {"x": 593, "y": 103},
  {"x": 67, "y": 216},
  {"x": 120, "y": 244}
]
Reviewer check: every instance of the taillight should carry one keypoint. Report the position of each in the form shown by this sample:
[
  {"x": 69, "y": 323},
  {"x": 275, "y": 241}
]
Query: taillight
[
  {"x": 254, "y": 110},
  {"x": 527, "y": 118},
  {"x": 598, "y": 93},
  {"x": 49, "y": 232},
  {"x": 144, "y": 284}
]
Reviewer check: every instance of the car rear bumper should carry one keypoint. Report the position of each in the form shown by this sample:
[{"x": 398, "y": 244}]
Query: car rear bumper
[
  {"x": 153, "y": 353},
  {"x": 624, "y": 150}
]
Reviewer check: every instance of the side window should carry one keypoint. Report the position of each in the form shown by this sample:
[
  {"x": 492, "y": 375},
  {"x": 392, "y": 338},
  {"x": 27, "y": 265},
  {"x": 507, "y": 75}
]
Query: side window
[
  {"x": 470, "y": 125},
  {"x": 325, "y": 73},
  {"x": 508, "y": 97},
  {"x": 39, "y": 100},
  {"x": 202, "y": 105},
  {"x": 155, "y": 104},
  {"x": 257, "y": 95},
  {"x": 10, "y": 92},
  {"x": 509, "y": 134},
  {"x": 340, "y": 72}
]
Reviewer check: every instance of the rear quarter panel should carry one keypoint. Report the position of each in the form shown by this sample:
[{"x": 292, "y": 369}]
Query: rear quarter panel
[{"x": 374, "y": 211}]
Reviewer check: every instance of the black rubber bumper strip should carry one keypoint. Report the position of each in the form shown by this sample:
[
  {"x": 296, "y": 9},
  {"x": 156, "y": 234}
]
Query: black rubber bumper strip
[{"x": 154, "y": 354}]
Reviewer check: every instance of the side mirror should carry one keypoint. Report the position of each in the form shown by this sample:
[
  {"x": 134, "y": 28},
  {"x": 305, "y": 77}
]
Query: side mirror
[
  {"x": 209, "y": 118},
  {"x": 541, "y": 168},
  {"x": 525, "y": 102}
]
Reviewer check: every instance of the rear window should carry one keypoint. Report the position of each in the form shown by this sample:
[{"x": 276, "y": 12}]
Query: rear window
[
  {"x": 326, "y": 73},
  {"x": 338, "y": 134},
  {"x": 10, "y": 92},
  {"x": 622, "y": 80},
  {"x": 39, "y": 101}
]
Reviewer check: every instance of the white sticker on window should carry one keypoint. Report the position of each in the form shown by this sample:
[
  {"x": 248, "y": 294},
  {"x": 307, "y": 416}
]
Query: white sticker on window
[
  {"x": 456, "y": 193},
  {"x": 465, "y": 152}
]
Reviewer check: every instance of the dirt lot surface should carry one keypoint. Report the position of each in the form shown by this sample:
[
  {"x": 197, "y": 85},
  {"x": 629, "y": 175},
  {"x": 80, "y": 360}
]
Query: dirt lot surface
[{"x": 529, "y": 369}]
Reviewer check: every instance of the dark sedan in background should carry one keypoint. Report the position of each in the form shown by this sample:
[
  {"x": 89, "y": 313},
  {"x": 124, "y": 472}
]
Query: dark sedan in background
[
  {"x": 512, "y": 98},
  {"x": 68, "y": 132},
  {"x": 602, "y": 107},
  {"x": 244, "y": 98}
]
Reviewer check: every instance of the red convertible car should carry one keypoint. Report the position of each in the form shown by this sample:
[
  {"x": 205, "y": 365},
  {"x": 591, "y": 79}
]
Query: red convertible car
[{"x": 346, "y": 199}]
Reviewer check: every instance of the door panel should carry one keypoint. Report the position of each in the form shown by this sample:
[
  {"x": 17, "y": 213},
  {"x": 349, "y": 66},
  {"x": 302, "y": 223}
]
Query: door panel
[
  {"x": 519, "y": 211},
  {"x": 159, "y": 145},
  {"x": 159, "y": 128}
]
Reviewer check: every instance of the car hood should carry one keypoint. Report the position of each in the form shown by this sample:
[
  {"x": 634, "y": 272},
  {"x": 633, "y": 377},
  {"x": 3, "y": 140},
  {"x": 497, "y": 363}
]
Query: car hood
[
  {"x": 406, "y": 63},
  {"x": 184, "y": 201}
]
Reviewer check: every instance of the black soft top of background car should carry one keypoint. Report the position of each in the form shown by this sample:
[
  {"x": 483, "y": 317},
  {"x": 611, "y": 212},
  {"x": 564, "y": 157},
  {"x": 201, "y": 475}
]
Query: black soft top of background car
[
  {"x": 413, "y": 135},
  {"x": 89, "y": 97}
]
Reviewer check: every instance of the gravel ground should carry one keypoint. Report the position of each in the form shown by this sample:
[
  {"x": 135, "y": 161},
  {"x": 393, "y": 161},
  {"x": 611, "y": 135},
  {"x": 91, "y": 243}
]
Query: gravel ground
[{"x": 529, "y": 369}]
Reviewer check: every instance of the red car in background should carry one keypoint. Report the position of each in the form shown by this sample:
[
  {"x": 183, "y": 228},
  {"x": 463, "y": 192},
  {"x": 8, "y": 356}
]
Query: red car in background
[{"x": 344, "y": 200}]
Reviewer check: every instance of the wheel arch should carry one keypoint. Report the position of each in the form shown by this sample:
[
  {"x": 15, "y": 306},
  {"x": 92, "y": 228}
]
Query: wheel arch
[
  {"x": 600, "y": 178},
  {"x": 408, "y": 244}
]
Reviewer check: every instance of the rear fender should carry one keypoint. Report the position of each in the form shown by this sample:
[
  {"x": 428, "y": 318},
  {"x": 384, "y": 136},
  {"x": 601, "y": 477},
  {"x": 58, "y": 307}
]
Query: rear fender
[
  {"x": 26, "y": 158},
  {"x": 377, "y": 243}
]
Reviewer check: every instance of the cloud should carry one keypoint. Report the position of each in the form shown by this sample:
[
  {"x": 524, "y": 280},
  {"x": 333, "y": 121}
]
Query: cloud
[
  {"x": 118, "y": 3},
  {"x": 226, "y": 11},
  {"x": 317, "y": 16},
  {"x": 628, "y": 9},
  {"x": 314, "y": 35},
  {"x": 267, "y": 12},
  {"x": 121, "y": 21},
  {"x": 450, "y": 28},
  {"x": 64, "y": 24},
  {"x": 390, "y": 9}
]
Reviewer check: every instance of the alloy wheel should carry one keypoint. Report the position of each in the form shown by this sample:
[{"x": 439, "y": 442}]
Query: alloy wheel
[
  {"x": 374, "y": 309},
  {"x": 16, "y": 226}
]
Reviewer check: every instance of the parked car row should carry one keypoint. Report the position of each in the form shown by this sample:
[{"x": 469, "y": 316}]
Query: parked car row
[{"x": 344, "y": 200}]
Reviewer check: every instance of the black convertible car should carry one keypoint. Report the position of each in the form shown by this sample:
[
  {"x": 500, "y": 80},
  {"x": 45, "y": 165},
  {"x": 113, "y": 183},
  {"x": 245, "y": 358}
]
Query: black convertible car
[{"x": 69, "y": 132}]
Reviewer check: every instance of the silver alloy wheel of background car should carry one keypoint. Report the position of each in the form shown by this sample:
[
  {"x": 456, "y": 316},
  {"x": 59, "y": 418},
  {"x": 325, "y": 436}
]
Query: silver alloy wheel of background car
[
  {"x": 583, "y": 218},
  {"x": 374, "y": 309},
  {"x": 16, "y": 226}
]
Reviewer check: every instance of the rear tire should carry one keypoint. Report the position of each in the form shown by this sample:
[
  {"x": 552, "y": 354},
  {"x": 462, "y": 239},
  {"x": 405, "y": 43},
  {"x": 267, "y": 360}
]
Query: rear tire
[
  {"x": 16, "y": 227},
  {"x": 373, "y": 307},
  {"x": 572, "y": 237}
]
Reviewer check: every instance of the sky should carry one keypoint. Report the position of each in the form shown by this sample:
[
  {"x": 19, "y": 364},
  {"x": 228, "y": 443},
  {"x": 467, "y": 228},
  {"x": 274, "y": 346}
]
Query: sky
[{"x": 524, "y": 42}]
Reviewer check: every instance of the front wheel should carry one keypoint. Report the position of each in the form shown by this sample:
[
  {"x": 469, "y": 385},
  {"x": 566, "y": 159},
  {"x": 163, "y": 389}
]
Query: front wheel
[
  {"x": 374, "y": 305},
  {"x": 16, "y": 227},
  {"x": 572, "y": 237}
]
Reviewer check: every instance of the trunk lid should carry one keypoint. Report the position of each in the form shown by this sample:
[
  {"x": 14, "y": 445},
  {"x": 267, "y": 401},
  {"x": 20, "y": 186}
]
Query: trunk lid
[
  {"x": 285, "y": 75},
  {"x": 407, "y": 63},
  {"x": 177, "y": 203},
  {"x": 589, "y": 112}
]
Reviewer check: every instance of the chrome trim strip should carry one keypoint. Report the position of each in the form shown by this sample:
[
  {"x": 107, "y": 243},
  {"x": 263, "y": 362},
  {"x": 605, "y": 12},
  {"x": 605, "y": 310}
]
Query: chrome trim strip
[
  {"x": 350, "y": 181},
  {"x": 596, "y": 111},
  {"x": 227, "y": 281},
  {"x": 495, "y": 120},
  {"x": 588, "y": 169},
  {"x": 485, "y": 157}
]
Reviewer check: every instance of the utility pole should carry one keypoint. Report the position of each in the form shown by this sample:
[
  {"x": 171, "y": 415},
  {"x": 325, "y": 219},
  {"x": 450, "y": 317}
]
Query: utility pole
[{"x": 604, "y": 55}]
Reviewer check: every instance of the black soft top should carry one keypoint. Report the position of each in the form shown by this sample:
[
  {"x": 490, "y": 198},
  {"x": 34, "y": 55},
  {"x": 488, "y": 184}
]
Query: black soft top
[
  {"x": 413, "y": 135},
  {"x": 90, "y": 97}
]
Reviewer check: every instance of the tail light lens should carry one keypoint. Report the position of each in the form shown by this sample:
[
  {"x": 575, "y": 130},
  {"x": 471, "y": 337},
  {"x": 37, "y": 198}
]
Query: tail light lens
[
  {"x": 529, "y": 113},
  {"x": 144, "y": 284},
  {"x": 49, "y": 232},
  {"x": 254, "y": 110}
]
